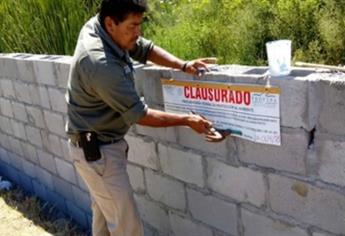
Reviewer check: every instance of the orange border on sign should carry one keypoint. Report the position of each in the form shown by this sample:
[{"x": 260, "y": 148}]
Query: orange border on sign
[{"x": 249, "y": 88}]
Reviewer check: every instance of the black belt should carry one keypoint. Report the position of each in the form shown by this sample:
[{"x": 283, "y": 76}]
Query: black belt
[
  {"x": 101, "y": 143},
  {"x": 74, "y": 141}
]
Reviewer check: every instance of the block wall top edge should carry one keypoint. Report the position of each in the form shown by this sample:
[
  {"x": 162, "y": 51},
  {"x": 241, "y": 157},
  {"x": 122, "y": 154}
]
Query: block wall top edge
[
  {"x": 35, "y": 57},
  {"x": 239, "y": 71}
]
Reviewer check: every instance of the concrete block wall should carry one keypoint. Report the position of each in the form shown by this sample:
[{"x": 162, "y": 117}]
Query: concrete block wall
[
  {"x": 33, "y": 145},
  {"x": 184, "y": 185}
]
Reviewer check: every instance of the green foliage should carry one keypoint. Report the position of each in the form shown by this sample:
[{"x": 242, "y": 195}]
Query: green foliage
[
  {"x": 42, "y": 26},
  {"x": 235, "y": 31}
]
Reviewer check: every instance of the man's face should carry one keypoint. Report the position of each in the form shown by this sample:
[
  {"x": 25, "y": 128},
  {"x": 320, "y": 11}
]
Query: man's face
[{"x": 125, "y": 33}]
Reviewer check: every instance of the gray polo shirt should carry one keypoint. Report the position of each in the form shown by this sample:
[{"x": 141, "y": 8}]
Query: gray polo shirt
[{"x": 101, "y": 95}]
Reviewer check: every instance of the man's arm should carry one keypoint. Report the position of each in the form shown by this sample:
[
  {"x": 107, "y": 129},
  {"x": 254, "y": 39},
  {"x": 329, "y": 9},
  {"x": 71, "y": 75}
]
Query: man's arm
[
  {"x": 156, "y": 118},
  {"x": 161, "y": 57}
]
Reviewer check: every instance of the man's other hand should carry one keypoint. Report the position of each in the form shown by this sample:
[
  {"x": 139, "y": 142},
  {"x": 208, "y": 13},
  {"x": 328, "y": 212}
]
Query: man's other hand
[{"x": 199, "y": 66}]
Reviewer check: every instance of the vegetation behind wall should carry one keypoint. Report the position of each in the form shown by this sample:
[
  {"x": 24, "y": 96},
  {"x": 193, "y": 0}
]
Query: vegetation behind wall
[{"x": 235, "y": 31}]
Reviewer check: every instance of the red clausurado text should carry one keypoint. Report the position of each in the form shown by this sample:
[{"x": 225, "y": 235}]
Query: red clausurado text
[{"x": 218, "y": 95}]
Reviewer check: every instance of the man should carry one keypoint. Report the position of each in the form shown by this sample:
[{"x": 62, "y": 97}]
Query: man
[{"x": 103, "y": 104}]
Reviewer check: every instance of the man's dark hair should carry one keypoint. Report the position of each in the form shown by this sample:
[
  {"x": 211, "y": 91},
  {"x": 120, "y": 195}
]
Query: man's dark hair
[{"x": 120, "y": 9}]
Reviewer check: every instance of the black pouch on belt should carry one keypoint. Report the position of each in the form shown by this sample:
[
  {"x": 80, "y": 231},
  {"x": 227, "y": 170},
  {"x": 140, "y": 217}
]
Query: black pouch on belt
[{"x": 90, "y": 146}]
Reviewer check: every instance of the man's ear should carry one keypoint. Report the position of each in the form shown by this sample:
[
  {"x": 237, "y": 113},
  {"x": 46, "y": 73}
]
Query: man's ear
[{"x": 109, "y": 23}]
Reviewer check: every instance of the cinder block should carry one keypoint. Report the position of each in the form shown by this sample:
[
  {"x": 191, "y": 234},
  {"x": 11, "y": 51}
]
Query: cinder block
[
  {"x": 35, "y": 136},
  {"x": 19, "y": 111},
  {"x": 4, "y": 169},
  {"x": 260, "y": 225},
  {"x": 6, "y": 108},
  {"x": 177, "y": 74},
  {"x": 142, "y": 152},
  {"x": 189, "y": 138},
  {"x": 35, "y": 95},
  {"x": 44, "y": 97},
  {"x": 165, "y": 190},
  {"x": 4, "y": 156},
  {"x": 29, "y": 168},
  {"x": 181, "y": 164},
  {"x": 16, "y": 161},
  {"x": 55, "y": 123},
  {"x": 181, "y": 226},
  {"x": 152, "y": 88},
  {"x": 66, "y": 171},
  {"x": 165, "y": 134},
  {"x": 149, "y": 231},
  {"x": 61, "y": 68},
  {"x": 312, "y": 205},
  {"x": 242, "y": 184},
  {"x": 293, "y": 102},
  {"x": 15, "y": 146},
  {"x": 77, "y": 214},
  {"x": 82, "y": 199},
  {"x": 212, "y": 211},
  {"x": 4, "y": 141},
  {"x": 30, "y": 153},
  {"x": 22, "y": 92},
  {"x": 8, "y": 66},
  {"x": 35, "y": 116},
  {"x": 13, "y": 174},
  {"x": 290, "y": 156},
  {"x": 25, "y": 69},
  {"x": 65, "y": 150},
  {"x": 44, "y": 72},
  {"x": 18, "y": 129},
  {"x": 7, "y": 88},
  {"x": 136, "y": 177},
  {"x": 57, "y": 100},
  {"x": 152, "y": 213},
  {"x": 5, "y": 125},
  {"x": 332, "y": 111},
  {"x": 320, "y": 234},
  {"x": 46, "y": 161},
  {"x": 332, "y": 161},
  {"x": 45, "y": 178},
  {"x": 63, "y": 187},
  {"x": 52, "y": 143}
]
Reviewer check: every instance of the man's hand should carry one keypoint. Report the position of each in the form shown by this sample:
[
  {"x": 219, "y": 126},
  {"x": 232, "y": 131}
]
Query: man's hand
[
  {"x": 199, "y": 65},
  {"x": 216, "y": 136},
  {"x": 203, "y": 126},
  {"x": 161, "y": 57},
  {"x": 156, "y": 118},
  {"x": 199, "y": 124}
]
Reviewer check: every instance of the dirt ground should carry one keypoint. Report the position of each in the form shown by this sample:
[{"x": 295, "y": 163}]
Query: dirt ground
[
  {"x": 21, "y": 215},
  {"x": 12, "y": 222}
]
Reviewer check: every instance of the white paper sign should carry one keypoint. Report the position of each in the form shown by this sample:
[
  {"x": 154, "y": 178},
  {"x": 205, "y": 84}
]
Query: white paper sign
[{"x": 249, "y": 111}]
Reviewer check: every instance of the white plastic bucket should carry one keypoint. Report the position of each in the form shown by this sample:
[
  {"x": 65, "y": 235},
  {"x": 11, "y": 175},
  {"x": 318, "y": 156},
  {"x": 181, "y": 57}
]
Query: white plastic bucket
[{"x": 279, "y": 57}]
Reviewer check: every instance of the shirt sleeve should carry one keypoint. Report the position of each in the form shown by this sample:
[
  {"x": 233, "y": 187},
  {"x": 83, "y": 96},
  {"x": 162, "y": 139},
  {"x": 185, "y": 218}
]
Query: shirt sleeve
[
  {"x": 110, "y": 83},
  {"x": 141, "y": 50}
]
